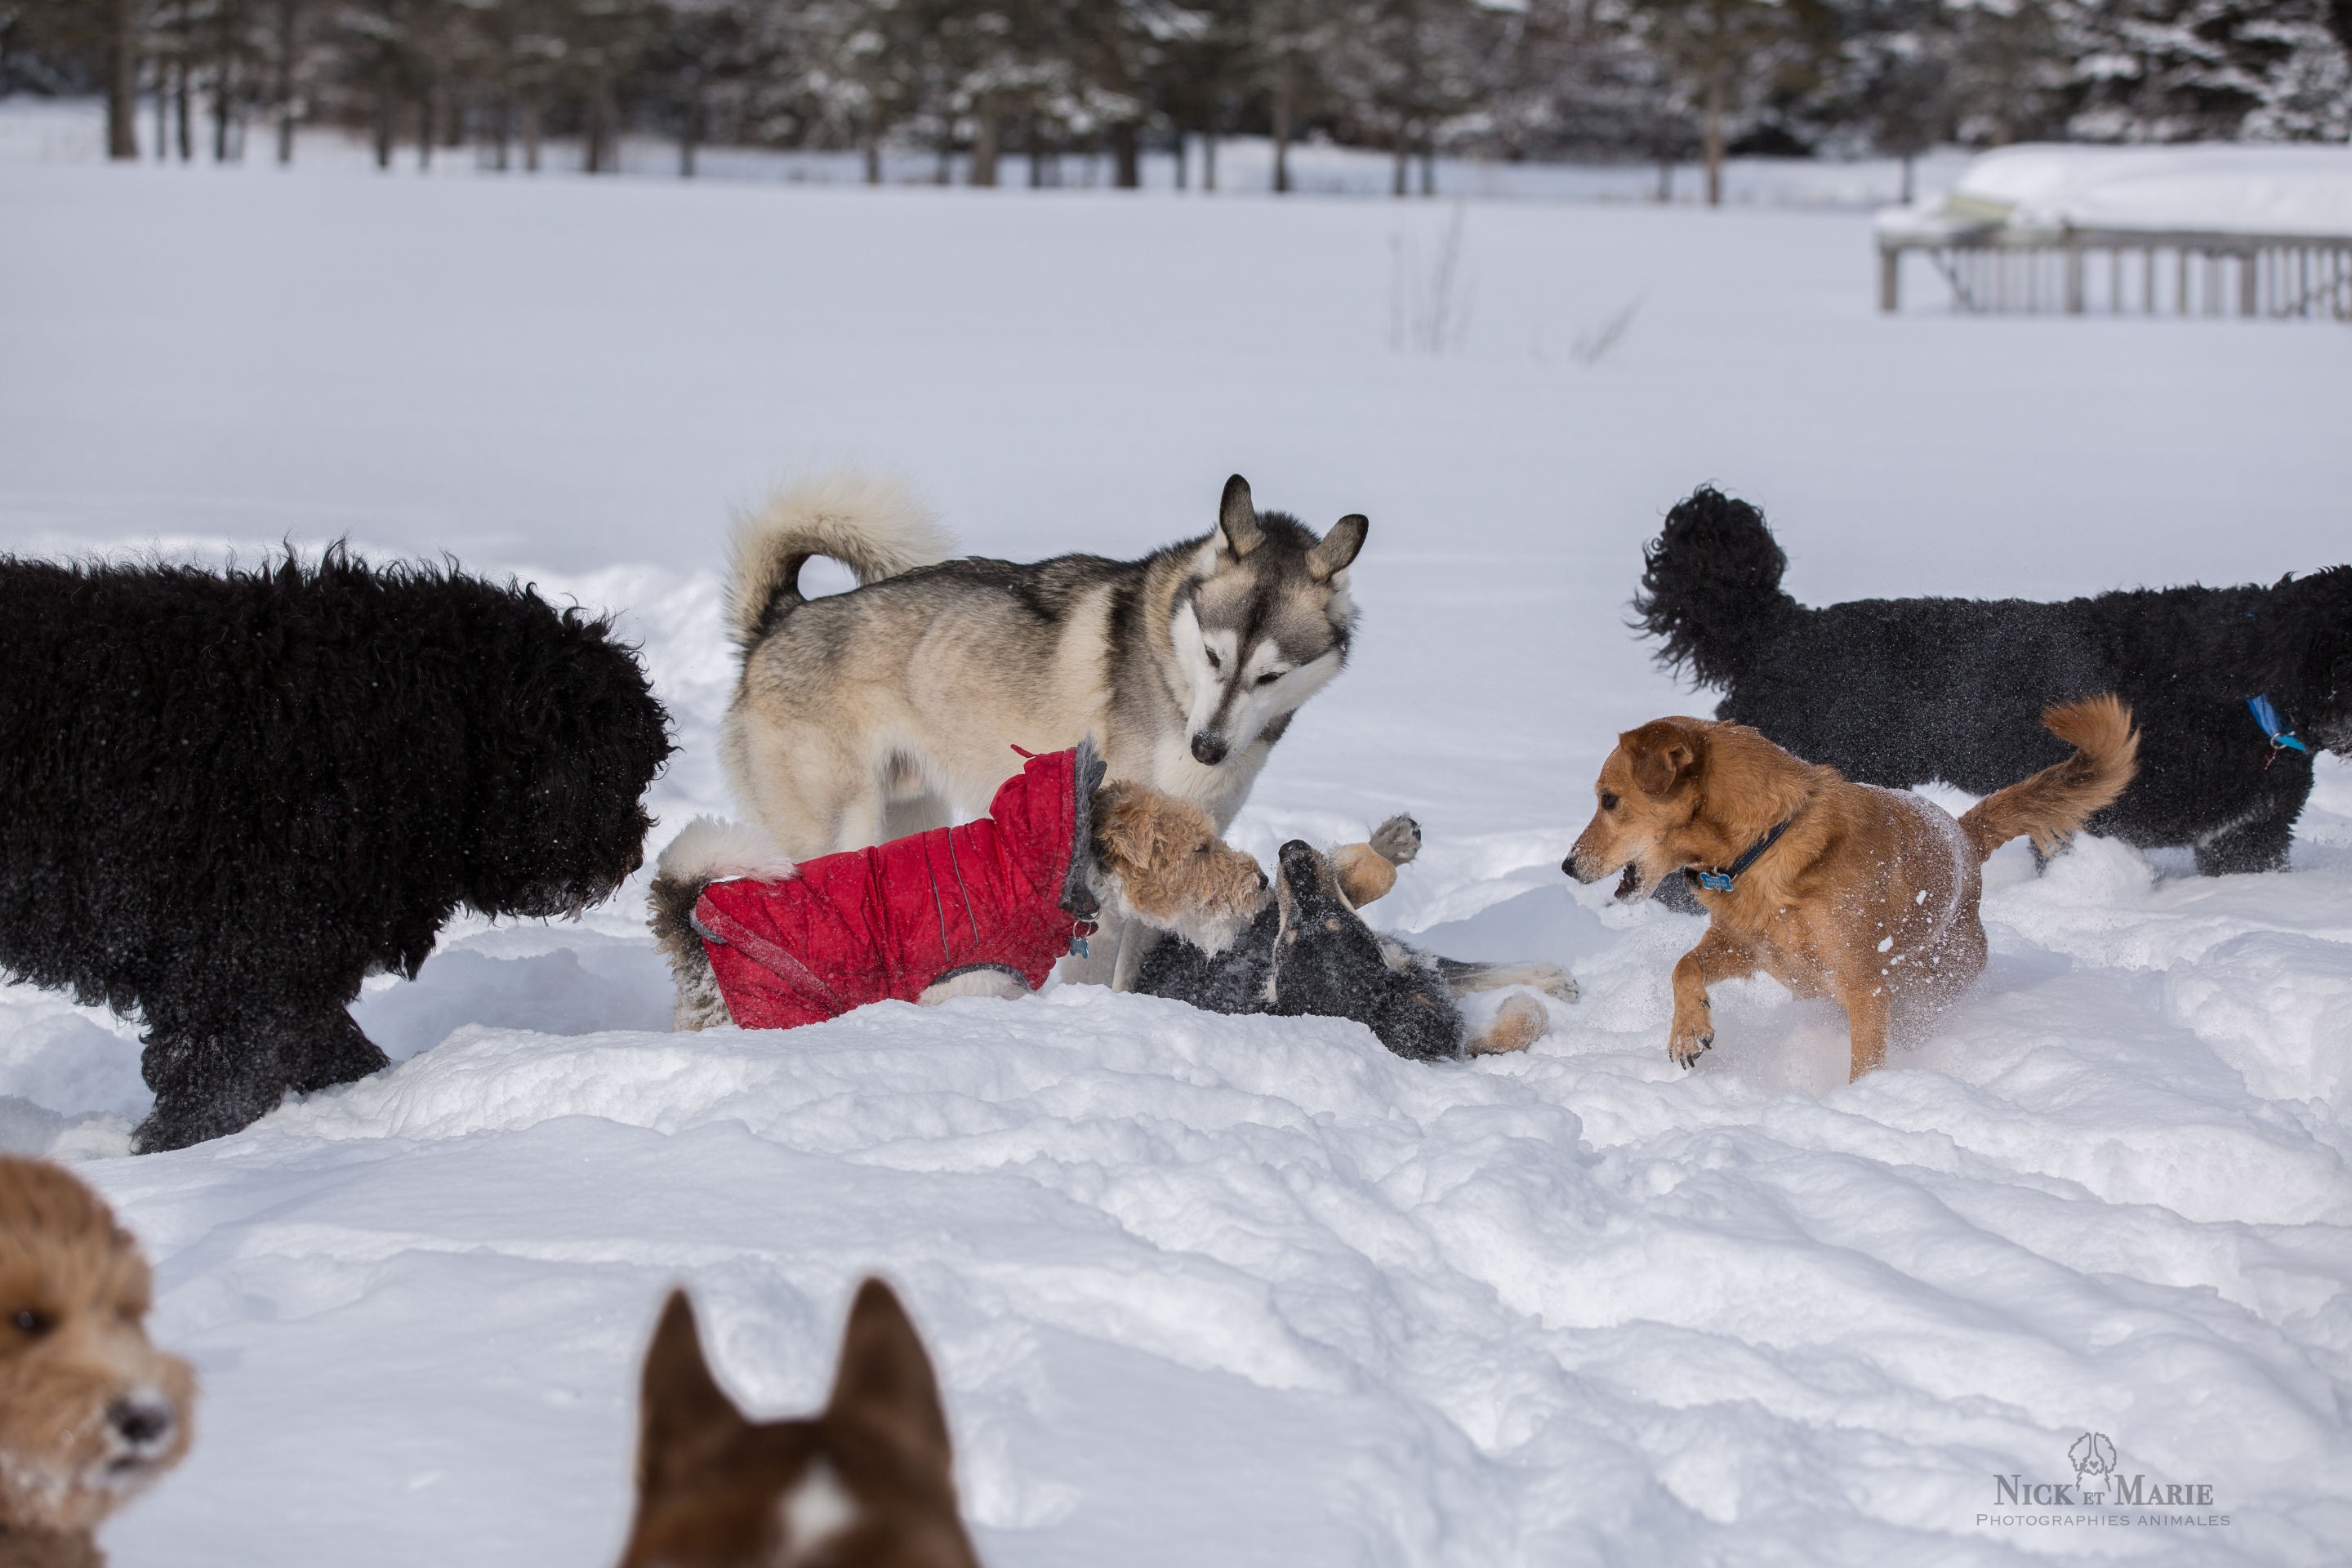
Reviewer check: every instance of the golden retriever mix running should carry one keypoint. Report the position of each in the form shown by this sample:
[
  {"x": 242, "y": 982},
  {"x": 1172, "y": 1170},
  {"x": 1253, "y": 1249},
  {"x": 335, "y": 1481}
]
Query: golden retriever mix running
[
  {"x": 1865, "y": 895},
  {"x": 90, "y": 1411}
]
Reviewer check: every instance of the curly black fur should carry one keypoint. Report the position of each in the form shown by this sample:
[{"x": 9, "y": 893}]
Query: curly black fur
[
  {"x": 227, "y": 798},
  {"x": 1903, "y": 691}
]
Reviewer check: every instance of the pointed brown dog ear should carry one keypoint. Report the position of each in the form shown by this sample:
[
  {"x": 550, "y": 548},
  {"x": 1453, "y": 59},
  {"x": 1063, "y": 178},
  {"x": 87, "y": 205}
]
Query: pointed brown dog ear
[
  {"x": 886, "y": 1386},
  {"x": 1237, "y": 518},
  {"x": 685, "y": 1418},
  {"x": 1339, "y": 547},
  {"x": 1663, "y": 752}
]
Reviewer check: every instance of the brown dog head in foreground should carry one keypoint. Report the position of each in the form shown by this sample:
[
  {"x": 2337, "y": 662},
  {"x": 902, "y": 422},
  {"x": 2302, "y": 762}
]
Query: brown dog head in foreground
[
  {"x": 1863, "y": 895},
  {"x": 1159, "y": 859},
  {"x": 89, "y": 1411},
  {"x": 867, "y": 1483}
]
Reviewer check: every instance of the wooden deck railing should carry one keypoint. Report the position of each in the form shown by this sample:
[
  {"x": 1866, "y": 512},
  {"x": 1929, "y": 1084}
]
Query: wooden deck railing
[{"x": 2131, "y": 271}]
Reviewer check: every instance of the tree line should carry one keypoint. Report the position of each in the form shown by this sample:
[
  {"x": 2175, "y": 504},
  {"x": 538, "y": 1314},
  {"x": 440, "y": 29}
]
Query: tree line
[{"x": 981, "y": 85}]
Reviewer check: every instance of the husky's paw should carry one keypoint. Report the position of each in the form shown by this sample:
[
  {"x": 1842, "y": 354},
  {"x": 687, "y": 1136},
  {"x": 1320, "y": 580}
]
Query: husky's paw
[
  {"x": 1397, "y": 840},
  {"x": 1694, "y": 1032}
]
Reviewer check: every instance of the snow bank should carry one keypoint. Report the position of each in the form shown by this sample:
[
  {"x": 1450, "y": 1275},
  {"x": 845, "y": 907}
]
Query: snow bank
[
  {"x": 1205, "y": 1289},
  {"x": 2224, "y": 188}
]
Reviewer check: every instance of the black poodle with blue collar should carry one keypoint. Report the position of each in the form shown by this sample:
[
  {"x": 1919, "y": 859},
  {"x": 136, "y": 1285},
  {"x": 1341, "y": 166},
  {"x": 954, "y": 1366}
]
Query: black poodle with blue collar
[{"x": 2234, "y": 689}]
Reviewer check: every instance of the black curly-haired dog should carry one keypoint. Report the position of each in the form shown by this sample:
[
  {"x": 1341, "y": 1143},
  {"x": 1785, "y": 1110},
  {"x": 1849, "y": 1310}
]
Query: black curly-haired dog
[
  {"x": 1899, "y": 692},
  {"x": 227, "y": 798},
  {"x": 1310, "y": 954}
]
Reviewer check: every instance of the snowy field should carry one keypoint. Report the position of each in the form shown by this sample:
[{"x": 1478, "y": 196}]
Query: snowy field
[{"x": 1206, "y": 1290}]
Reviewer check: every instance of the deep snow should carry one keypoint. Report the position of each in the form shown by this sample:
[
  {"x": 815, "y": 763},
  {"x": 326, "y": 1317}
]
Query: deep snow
[{"x": 1205, "y": 1289}]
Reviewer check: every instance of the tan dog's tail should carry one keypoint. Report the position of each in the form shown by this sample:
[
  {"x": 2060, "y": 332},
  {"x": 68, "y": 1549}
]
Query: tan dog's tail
[{"x": 2053, "y": 803}]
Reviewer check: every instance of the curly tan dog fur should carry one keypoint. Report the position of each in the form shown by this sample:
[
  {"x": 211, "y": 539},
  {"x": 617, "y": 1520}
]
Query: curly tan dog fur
[
  {"x": 1863, "y": 895},
  {"x": 90, "y": 1411}
]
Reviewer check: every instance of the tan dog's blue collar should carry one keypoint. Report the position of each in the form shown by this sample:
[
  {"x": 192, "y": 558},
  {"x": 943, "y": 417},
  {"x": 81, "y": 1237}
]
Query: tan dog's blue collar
[{"x": 1725, "y": 880}]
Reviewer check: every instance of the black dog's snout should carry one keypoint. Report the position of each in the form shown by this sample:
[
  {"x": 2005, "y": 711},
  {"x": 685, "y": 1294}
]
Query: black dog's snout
[
  {"x": 1208, "y": 748},
  {"x": 142, "y": 1422}
]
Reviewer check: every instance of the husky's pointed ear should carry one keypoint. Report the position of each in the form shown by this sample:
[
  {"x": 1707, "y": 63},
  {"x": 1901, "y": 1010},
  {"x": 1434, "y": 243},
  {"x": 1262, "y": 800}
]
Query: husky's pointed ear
[
  {"x": 1339, "y": 547},
  {"x": 1663, "y": 752},
  {"x": 885, "y": 1386},
  {"x": 684, "y": 1419},
  {"x": 1237, "y": 518}
]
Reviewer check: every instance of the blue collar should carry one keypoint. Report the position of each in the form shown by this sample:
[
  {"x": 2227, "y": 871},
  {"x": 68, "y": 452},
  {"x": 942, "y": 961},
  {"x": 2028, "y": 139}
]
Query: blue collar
[
  {"x": 1725, "y": 880},
  {"x": 2267, "y": 716}
]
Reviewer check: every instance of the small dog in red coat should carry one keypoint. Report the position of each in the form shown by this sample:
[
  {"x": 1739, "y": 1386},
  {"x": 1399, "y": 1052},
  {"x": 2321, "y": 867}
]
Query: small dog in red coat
[{"x": 986, "y": 907}]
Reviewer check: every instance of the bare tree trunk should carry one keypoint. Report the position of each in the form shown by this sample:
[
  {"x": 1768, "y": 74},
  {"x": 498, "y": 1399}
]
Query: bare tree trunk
[
  {"x": 1665, "y": 178},
  {"x": 1908, "y": 160},
  {"x": 123, "y": 80},
  {"x": 689, "y": 135},
  {"x": 873, "y": 153},
  {"x": 1127, "y": 156},
  {"x": 282, "y": 89},
  {"x": 383, "y": 124},
  {"x": 1208, "y": 159},
  {"x": 1714, "y": 138},
  {"x": 1184, "y": 156},
  {"x": 424, "y": 137},
  {"x": 223, "y": 90},
  {"x": 983, "y": 146},
  {"x": 1428, "y": 159},
  {"x": 163, "y": 110},
  {"x": 530, "y": 134},
  {"x": 182, "y": 129},
  {"x": 1282, "y": 107},
  {"x": 1034, "y": 139},
  {"x": 1403, "y": 157}
]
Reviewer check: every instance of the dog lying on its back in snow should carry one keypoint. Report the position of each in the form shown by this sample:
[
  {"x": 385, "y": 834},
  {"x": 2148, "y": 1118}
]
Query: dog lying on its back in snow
[
  {"x": 226, "y": 798},
  {"x": 1904, "y": 691},
  {"x": 91, "y": 1413},
  {"x": 1312, "y": 955}
]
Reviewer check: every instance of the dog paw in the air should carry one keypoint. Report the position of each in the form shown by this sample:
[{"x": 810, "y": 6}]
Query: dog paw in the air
[
  {"x": 1398, "y": 839},
  {"x": 1554, "y": 982}
]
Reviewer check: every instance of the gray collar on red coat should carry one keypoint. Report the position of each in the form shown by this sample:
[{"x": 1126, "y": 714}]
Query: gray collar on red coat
[{"x": 1077, "y": 887}]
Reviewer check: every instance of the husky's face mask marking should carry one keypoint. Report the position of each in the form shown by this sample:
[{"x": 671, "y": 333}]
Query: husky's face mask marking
[{"x": 1264, "y": 624}]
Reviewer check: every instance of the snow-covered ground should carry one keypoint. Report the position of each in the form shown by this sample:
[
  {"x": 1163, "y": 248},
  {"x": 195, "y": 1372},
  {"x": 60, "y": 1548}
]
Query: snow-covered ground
[{"x": 1204, "y": 1290}]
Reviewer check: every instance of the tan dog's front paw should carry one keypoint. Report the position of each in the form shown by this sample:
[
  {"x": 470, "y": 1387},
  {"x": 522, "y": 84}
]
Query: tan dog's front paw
[{"x": 1694, "y": 1032}]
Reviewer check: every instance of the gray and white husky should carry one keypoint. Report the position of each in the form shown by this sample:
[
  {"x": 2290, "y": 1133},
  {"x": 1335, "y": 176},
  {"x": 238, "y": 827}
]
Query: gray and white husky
[{"x": 896, "y": 706}]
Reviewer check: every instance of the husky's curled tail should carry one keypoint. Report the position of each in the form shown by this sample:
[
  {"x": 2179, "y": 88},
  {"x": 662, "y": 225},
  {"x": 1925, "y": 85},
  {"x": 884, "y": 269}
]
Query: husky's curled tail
[
  {"x": 868, "y": 522},
  {"x": 2050, "y": 805},
  {"x": 1711, "y": 587}
]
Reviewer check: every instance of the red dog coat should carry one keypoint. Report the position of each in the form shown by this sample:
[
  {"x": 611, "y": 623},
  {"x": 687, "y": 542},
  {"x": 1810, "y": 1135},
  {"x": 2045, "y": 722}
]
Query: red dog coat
[{"x": 1006, "y": 891}]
